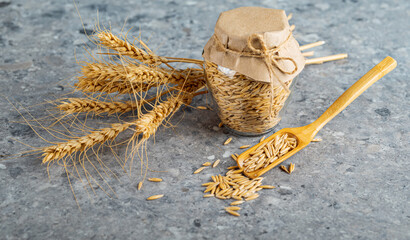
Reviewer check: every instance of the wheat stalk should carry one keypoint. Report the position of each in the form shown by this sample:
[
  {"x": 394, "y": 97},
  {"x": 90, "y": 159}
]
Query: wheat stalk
[
  {"x": 146, "y": 125},
  {"x": 124, "y": 48},
  {"x": 78, "y": 105}
]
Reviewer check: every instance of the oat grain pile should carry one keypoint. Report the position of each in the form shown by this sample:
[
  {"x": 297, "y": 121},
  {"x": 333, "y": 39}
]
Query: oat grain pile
[{"x": 235, "y": 185}]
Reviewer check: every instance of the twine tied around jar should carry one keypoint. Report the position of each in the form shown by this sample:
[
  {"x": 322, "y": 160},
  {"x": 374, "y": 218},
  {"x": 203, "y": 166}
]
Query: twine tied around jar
[{"x": 270, "y": 56}]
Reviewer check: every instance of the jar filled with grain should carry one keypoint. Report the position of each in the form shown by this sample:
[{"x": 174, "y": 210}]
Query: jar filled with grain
[{"x": 250, "y": 64}]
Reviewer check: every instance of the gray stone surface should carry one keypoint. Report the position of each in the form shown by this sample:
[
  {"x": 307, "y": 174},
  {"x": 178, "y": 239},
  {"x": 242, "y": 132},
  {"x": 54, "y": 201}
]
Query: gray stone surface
[{"x": 353, "y": 185}]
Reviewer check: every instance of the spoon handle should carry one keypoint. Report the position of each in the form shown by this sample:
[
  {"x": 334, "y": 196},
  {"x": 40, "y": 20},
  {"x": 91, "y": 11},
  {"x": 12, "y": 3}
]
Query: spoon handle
[{"x": 377, "y": 72}]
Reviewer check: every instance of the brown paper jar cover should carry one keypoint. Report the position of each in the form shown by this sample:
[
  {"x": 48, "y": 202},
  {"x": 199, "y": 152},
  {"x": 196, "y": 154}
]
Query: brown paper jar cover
[{"x": 235, "y": 27}]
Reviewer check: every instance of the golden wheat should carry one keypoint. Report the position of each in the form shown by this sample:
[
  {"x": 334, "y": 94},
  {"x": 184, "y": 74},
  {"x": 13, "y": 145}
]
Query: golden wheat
[
  {"x": 63, "y": 149},
  {"x": 149, "y": 123},
  {"x": 124, "y": 48},
  {"x": 78, "y": 105},
  {"x": 90, "y": 85},
  {"x": 146, "y": 125},
  {"x": 131, "y": 78},
  {"x": 136, "y": 73}
]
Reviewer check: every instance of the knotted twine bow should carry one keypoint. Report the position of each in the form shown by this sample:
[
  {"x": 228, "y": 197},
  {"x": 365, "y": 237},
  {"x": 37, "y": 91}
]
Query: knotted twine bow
[{"x": 270, "y": 56}]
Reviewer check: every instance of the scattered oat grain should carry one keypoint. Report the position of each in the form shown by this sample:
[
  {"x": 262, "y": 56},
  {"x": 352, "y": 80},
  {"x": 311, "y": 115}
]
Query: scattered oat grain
[
  {"x": 237, "y": 203},
  {"x": 139, "y": 185},
  {"x": 199, "y": 170},
  {"x": 154, "y": 197},
  {"x": 233, "y": 208},
  {"x": 155, "y": 179},
  {"x": 232, "y": 212},
  {"x": 206, "y": 164},
  {"x": 284, "y": 168},
  {"x": 252, "y": 197},
  {"x": 216, "y": 163},
  {"x": 291, "y": 168},
  {"x": 228, "y": 141}
]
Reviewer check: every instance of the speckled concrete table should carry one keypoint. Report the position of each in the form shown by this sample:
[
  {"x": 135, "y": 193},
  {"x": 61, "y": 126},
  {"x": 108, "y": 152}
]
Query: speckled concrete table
[{"x": 352, "y": 185}]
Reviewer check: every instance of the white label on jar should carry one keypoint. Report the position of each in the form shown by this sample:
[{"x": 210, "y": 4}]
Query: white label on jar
[{"x": 228, "y": 72}]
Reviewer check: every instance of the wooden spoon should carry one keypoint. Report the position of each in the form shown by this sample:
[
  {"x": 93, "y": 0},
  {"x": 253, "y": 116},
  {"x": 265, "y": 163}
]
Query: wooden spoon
[{"x": 305, "y": 134}]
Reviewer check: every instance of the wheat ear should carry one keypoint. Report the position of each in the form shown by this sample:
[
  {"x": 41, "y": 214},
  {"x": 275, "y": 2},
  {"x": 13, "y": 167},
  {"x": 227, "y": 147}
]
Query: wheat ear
[
  {"x": 136, "y": 73},
  {"x": 124, "y": 48},
  {"x": 78, "y": 105},
  {"x": 146, "y": 125},
  {"x": 63, "y": 149},
  {"x": 121, "y": 87},
  {"x": 149, "y": 123},
  {"x": 110, "y": 78}
]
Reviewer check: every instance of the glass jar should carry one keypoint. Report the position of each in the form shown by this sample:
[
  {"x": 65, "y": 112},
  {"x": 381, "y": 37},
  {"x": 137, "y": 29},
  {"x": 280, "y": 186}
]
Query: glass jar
[{"x": 251, "y": 61}]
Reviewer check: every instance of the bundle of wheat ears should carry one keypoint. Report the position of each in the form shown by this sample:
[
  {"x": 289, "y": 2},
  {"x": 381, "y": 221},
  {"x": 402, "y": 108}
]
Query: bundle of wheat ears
[{"x": 153, "y": 90}]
